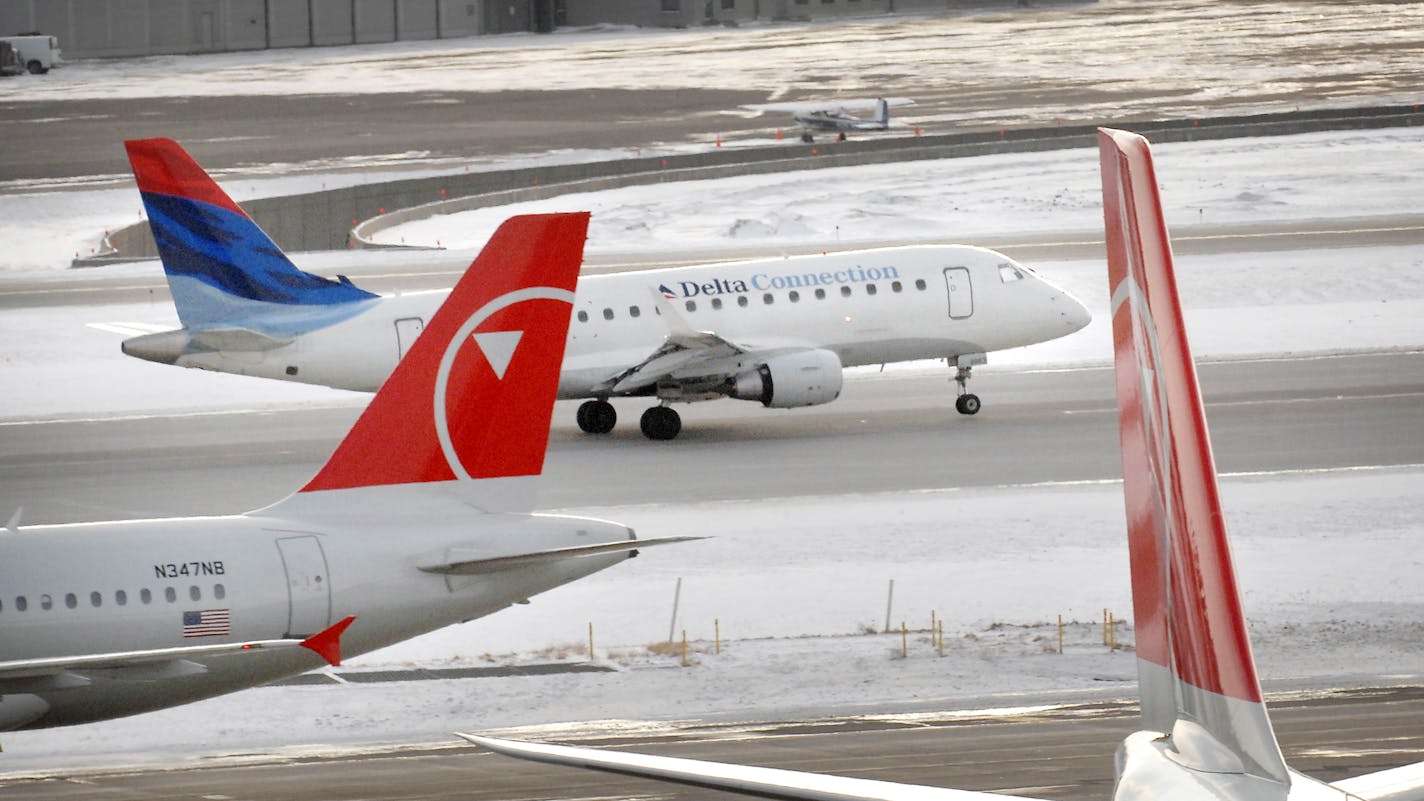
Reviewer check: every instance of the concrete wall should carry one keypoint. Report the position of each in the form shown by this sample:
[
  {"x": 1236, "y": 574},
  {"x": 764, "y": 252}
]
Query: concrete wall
[
  {"x": 289, "y": 23},
  {"x": 97, "y": 28},
  {"x": 460, "y": 18},
  {"x": 324, "y": 220},
  {"x": 645, "y": 13},
  {"x": 684, "y": 13},
  {"x": 101, "y": 28}
]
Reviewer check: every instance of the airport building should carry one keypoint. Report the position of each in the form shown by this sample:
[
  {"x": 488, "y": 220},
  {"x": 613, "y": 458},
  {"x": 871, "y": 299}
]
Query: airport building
[{"x": 99, "y": 28}]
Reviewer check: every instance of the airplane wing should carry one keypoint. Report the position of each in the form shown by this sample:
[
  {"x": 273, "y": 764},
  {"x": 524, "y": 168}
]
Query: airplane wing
[
  {"x": 808, "y": 106},
  {"x": 684, "y": 349},
  {"x": 744, "y": 779},
  {"x": 121, "y": 660},
  {"x": 479, "y": 565},
  {"x": 237, "y": 339},
  {"x": 1405, "y": 783}
]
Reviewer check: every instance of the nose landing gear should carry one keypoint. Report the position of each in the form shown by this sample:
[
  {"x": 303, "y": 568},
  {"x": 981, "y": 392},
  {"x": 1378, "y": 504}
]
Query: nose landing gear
[{"x": 967, "y": 402}]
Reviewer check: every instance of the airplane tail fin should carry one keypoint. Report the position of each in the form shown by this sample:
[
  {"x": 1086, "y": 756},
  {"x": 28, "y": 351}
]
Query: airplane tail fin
[
  {"x": 882, "y": 112},
  {"x": 1196, "y": 672},
  {"x": 472, "y": 398},
  {"x": 221, "y": 267}
]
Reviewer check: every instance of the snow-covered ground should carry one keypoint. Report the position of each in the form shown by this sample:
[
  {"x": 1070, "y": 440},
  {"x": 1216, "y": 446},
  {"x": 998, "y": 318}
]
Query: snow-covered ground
[
  {"x": 1329, "y": 565},
  {"x": 1329, "y": 560},
  {"x": 1189, "y": 55}
]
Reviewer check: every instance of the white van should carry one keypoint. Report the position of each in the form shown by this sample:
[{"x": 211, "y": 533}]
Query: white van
[{"x": 36, "y": 51}]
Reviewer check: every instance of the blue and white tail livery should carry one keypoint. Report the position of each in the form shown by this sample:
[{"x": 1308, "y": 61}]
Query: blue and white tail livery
[
  {"x": 221, "y": 267},
  {"x": 1206, "y": 734}
]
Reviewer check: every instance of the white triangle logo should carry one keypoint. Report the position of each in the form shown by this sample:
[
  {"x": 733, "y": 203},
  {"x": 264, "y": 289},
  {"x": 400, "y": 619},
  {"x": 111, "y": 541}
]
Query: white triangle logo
[{"x": 498, "y": 347}]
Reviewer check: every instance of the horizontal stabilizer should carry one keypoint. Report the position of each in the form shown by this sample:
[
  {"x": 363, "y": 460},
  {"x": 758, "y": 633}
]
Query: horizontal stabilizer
[
  {"x": 754, "y": 781},
  {"x": 327, "y": 643},
  {"x": 237, "y": 339},
  {"x": 31, "y": 668},
  {"x": 495, "y": 564}
]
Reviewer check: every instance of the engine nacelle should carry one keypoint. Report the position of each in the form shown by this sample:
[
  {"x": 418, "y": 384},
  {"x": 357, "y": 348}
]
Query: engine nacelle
[{"x": 804, "y": 378}]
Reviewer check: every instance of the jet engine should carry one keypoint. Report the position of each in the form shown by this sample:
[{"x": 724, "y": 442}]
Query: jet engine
[{"x": 803, "y": 378}]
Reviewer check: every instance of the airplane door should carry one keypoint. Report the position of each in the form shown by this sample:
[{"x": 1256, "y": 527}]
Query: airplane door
[
  {"x": 961, "y": 294},
  {"x": 308, "y": 585},
  {"x": 407, "y": 329}
]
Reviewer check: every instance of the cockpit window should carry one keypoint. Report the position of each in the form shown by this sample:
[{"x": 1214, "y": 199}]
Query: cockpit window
[{"x": 1008, "y": 273}]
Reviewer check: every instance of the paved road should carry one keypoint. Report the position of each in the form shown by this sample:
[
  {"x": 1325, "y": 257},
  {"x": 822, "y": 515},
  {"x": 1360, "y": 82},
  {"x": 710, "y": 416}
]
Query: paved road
[
  {"x": 886, "y": 432},
  {"x": 1064, "y": 754}
]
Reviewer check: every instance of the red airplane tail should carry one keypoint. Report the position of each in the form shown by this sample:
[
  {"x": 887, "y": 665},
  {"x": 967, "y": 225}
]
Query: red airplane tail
[
  {"x": 473, "y": 397},
  {"x": 1197, "y": 675}
]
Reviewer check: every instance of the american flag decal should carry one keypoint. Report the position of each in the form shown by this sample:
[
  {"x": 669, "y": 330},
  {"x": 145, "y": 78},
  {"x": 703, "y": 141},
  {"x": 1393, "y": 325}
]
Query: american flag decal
[{"x": 207, "y": 623}]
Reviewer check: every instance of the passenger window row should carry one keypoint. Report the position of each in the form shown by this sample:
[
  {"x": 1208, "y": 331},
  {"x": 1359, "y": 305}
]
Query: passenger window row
[
  {"x": 767, "y": 299},
  {"x": 121, "y": 598}
]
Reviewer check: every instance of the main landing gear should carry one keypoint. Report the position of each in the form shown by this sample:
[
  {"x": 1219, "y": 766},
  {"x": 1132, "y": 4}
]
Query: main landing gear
[
  {"x": 967, "y": 402},
  {"x": 658, "y": 422},
  {"x": 597, "y": 416},
  {"x": 661, "y": 422}
]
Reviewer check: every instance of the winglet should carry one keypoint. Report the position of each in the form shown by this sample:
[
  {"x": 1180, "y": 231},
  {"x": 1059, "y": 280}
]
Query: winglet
[
  {"x": 327, "y": 643},
  {"x": 14, "y": 523},
  {"x": 219, "y": 263},
  {"x": 1195, "y": 669}
]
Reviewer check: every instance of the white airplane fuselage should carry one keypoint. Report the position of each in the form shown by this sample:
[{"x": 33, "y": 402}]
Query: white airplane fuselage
[
  {"x": 126, "y": 586},
  {"x": 867, "y": 307}
]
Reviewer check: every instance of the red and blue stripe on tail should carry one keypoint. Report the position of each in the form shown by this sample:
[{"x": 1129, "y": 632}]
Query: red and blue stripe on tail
[{"x": 221, "y": 267}]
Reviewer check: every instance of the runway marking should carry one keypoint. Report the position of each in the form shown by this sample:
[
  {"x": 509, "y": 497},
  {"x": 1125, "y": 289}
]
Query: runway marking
[
  {"x": 59, "y": 290},
  {"x": 128, "y": 329},
  {"x": 1280, "y": 401},
  {"x": 1035, "y": 789},
  {"x": 128, "y": 418},
  {"x": 1029, "y": 485}
]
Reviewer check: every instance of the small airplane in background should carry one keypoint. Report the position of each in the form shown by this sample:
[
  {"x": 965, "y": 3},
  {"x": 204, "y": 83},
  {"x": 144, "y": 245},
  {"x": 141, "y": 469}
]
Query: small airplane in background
[
  {"x": 420, "y": 519},
  {"x": 776, "y": 331},
  {"x": 1206, "y": 733},
  {"x": 838, "y": 116}
]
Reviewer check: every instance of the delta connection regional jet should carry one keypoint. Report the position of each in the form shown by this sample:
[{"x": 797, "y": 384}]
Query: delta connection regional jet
[
  {"x": 778, "y": 332},
  {"x": 420, "y": 519},
  {"x": 1206, "y": 734}
]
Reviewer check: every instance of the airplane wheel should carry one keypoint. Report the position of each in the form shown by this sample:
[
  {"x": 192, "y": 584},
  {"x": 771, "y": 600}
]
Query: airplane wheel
[
  {"x": 597, "y": 417},
  {"x": 807, "y": 138},
  {"x": 842, "y": 137},
  {"x": 660, "y": 422},
  {"x": 967, "y": 404}
]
